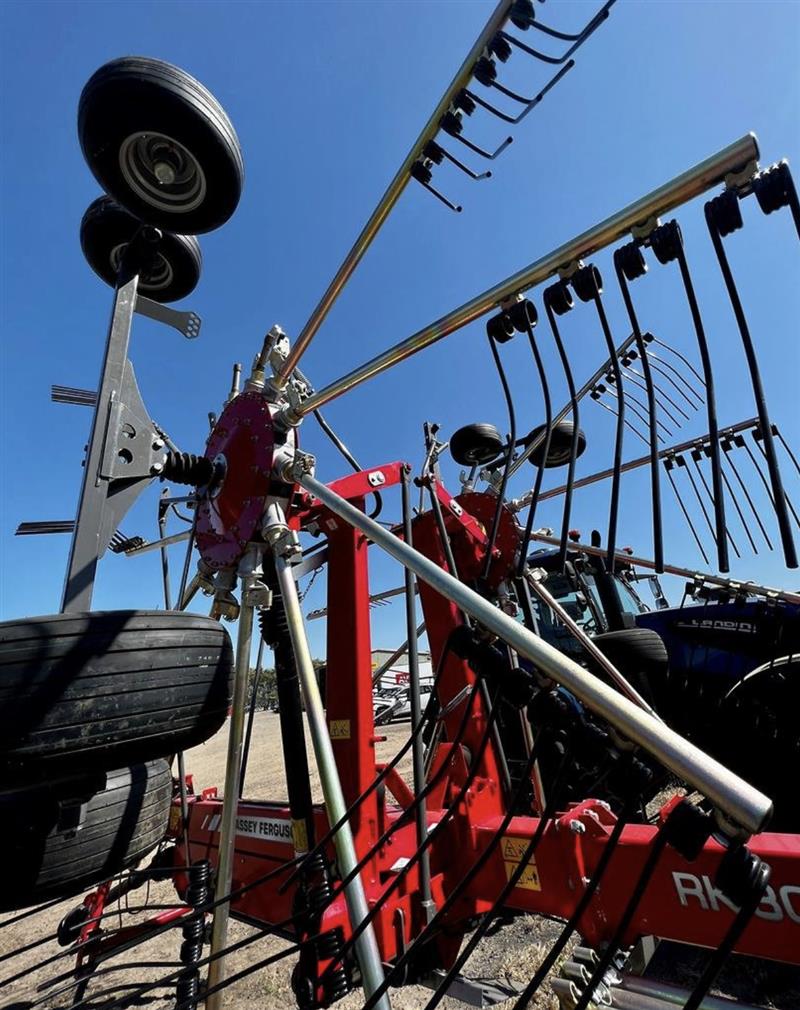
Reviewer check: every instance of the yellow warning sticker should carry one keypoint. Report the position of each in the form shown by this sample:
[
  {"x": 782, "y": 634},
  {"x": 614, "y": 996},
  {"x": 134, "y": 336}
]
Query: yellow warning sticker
[
  {"x": 513, "y": 850},
  {"x": 340, "y": 729},
  {"x": 299, "y": 836},
  {"x": 174, "y": 820}
]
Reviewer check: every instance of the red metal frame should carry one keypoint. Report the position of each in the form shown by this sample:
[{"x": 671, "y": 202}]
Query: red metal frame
[{"x": 680, "y": 902}]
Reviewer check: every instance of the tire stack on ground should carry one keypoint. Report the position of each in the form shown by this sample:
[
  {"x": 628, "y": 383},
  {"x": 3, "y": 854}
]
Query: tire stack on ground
[{"x": 92, "y": 709}]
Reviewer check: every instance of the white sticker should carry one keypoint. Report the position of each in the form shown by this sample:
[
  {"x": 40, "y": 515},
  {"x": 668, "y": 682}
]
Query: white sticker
[{"x": 268, "y": 829}]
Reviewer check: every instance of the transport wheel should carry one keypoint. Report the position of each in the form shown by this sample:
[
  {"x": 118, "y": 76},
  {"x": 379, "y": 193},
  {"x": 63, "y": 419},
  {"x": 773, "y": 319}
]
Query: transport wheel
[
  {"x": 757, "y": 735},
  {"x": 640, "y": 656},
  {"x": 560, "y": 444},
  {"x": 106, "y": 230},
  {"x": 160, "y": 144},
  {"x": 61, "y": 837},
  {"x": 476, "y": 444},
  {"x": 107, "y": 689}
]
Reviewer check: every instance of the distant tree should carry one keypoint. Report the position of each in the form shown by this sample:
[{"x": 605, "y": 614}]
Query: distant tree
[{"x": 267, "y": 691}]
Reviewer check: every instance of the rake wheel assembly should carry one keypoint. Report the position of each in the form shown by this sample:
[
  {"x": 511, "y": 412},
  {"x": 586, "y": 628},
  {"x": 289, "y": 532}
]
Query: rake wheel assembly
[{"x": 541, "y": 756}]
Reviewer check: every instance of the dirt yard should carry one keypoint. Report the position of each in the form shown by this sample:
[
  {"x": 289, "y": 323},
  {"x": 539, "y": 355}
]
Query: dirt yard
[{"x": 509, "y": 956}]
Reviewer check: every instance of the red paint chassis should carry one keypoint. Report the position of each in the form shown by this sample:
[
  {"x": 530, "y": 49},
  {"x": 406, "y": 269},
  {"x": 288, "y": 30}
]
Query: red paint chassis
[{"x": 680, "y": 902}]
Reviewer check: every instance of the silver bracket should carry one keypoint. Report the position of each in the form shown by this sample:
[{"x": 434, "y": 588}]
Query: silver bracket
[
  {"x": 186, "y": 323},
  {"x": 376, "y": 478},
  {"x": 646, "y": 228},
  {"x": 743, "y": 179},
  {"x": 134, "y": 448},
  {"x": 569, "y": 269}
]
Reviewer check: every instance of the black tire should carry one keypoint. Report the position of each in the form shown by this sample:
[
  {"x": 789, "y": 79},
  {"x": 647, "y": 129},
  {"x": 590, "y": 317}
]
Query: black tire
[
  {"x": 106, "y": 230},
  {"x": 476, "y": 444},
  {"x": 640, "y": 656},
  {"x": 137, "y": 116},
  {"x": 61, "y": 837},
  {"x": 109, "y": 689},
  {"x": 560, "y": 444}
]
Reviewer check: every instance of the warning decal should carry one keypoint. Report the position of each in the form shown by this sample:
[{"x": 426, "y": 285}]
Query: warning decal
[
  {"x": 513, "y": 850},
  {"x": 340, "y": 729}
]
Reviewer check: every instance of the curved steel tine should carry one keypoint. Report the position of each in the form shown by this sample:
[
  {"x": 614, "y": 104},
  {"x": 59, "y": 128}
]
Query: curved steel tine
[
  {"x": 669, "y": 464},
  {"x": 533, "y": 52},
  {"x": 465, "y": 168},
  {"x": 738, "y": 508},
  {"x": 658, "y": 366},
  {"x": 759, "y": 442},
  {"x": 664, "y": 364},
  {"x": 598, "y": 18},
  {"x": 611, "y": 410},
  {"x": 513, "y": 120},
  {"x": 727, "y": 446},
  {"x": 480, "y": 150},
  {"x": 548, "y": 87},
  {"x": 631, "y": 373},
  {"x": 785, "y": 445},
  {"x": 721, "y": 209},
  {"x": 529, "y": 103},
  {"x": 682, "y": 464},
  {"x": 422, "y": 174},
  {"x": 640, "y": 409},
  {"x": 677, "y": 353},
  {"x": 697, "y": 455}
]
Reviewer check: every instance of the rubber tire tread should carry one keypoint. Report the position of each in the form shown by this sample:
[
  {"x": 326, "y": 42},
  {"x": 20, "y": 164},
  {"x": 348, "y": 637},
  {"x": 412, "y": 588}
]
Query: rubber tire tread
[
  {"x": 106, "y": 224},
  {"x": 109, "y": 688},
  {"x": 488, "y": 438},
  {"x": 60, "y": 838},
  {"x": 196, "y": 99}
]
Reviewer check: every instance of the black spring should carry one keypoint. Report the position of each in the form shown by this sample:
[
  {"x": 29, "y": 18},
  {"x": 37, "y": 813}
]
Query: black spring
[
  {"x": 329, "y": 947},
  {"x": 433, "y": 152},
  {"x": 667, "y": 242},
  {"x": 500, "y": 328},
  {"x": 187, "y": 468},
  {"x": 522, "y": 14},
  {"x": 772, "y": 188},
  {"x": 587, "y": 283},
  {"x": 464, "y": 102},
  {"x": 725, "y": 212},
  {"x": 485, "y": 71},
  {"x": 192, "y": 946},
  {"x": 420, "y": 172},
  {"x": 631, "y": 260},
  {"x": 451, "y": 123},
  {"x": 320, "y": 895},
  {"x": 187, "y": 991},
  {"x": 199, "y": 879},
  {"x": 523, "y": 315},
  {"x": 500, "y": 48},
  {"x": 739, "y": 875},
  {"x": 559, "y": 297}
]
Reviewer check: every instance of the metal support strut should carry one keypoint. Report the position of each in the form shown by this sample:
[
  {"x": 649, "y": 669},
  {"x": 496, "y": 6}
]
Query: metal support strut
[
  {"x": 745, "y": 806},
  {"x": 369, "y": 958}
]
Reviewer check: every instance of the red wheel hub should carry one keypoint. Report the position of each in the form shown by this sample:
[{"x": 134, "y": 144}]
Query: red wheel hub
[{"x": 243, "y": 442}]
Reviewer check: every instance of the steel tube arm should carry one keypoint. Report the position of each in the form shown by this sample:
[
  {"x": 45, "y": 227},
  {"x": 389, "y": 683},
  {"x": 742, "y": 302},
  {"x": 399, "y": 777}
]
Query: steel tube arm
[
  {"x": 743, "y": 804},
  {"x": 692, "y": 183},
  {"x": 391, "y": 196}
]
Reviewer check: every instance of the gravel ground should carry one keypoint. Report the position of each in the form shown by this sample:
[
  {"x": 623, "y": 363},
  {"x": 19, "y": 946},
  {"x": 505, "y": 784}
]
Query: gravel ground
[{"x": 509, "y": 956}]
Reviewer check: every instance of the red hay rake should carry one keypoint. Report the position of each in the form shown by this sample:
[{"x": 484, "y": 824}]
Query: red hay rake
[{"x": 544, "y": 781}]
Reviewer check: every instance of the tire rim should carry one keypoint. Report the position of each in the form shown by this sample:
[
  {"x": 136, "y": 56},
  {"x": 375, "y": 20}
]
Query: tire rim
[
  {"x": 157, "y": 279},
  {"x": 162, "y": 172}
]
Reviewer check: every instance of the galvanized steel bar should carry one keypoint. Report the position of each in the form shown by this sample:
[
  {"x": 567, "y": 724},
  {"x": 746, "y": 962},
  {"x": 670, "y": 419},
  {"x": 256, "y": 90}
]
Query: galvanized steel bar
[
  {"x": 692, "y": 183},
  {"x": 366, "y": 945},
  {"x": 745, "y": 806},
  {"x": 390, "y": 197}
]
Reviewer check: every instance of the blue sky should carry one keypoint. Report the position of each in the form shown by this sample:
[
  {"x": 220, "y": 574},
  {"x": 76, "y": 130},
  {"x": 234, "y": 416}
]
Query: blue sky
[{"x": 327, "y": 98}]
